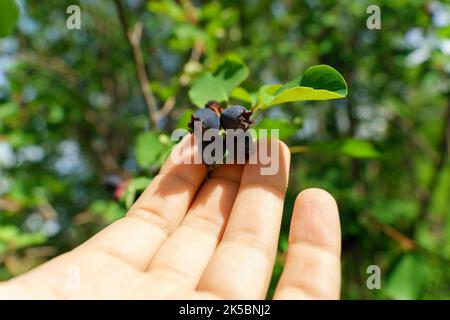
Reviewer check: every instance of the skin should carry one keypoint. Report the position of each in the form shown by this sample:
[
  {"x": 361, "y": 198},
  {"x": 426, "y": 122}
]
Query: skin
[{"x": 188, "y": 237}]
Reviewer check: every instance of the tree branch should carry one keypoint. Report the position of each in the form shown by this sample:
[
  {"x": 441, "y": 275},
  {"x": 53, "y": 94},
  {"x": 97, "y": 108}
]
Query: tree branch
[
  {"x": 167, "y": 106},
  {"x": 133, "y": 37},
  {"x": 407, "y": 244}
]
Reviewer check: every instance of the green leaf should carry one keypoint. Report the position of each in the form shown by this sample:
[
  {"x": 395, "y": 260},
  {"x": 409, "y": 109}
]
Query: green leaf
[
  {"x": 109, "y": 210},
  {"x": 219, "y": 84},
  {"x": 148, "y": 148},
  {"x": 140, "y": 183},
  {"x": 30, "y": 239},
  {"x": 240, "y": 93},
  {"x": 319, "y": 82},
  {"x": 134, "y": 186},
  {"x": 323, "y": 77},
  {"x": 167, "y": 8},
  {"x": 286, "y": 127},
  {"x": 207, "y": 88},
  {"x": 19, "y": 139},
  {"x": 407, "y": 278},
  {"x": 393, "y": 211},
  {"x": 8, "y": 17},
  {"x": 358, "y": 149},
  {"x": 164, "y": 155},
  {"x": 444, "y": 32},
  {"x": 8, "y": 233},
  {"x": 266, "y": 93},
  {"x": 184, "y": 119},
  {"x": 288, "y": 85},
  {"x": 8, "y": 110},
  {"x": 303, "y": 94},
  {"x": 348, "y": 147},
  {"x": 11, "y": 235},
  {"x": 231, "y": 73}
]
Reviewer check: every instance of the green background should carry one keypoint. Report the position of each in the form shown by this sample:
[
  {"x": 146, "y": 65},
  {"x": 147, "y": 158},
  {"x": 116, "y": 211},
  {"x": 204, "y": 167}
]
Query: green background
[{"x": 72, "y": 116}]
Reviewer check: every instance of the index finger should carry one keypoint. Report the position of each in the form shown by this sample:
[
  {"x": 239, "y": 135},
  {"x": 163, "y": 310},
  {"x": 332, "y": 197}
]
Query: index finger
[{"x": 242, "y": 265}]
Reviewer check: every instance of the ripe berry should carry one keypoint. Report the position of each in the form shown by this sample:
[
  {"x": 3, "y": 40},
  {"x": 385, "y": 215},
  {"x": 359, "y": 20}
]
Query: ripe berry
[
  {"x": 236, "y": 117},
  {"x": 208, "y": 118}
]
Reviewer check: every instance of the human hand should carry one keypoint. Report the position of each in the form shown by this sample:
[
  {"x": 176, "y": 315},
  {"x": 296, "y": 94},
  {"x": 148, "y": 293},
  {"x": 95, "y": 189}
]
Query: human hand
[{"x": 191, "y": 238}]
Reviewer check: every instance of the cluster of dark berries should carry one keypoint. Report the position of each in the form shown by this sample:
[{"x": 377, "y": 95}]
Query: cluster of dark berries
[
  {"x": 213, "y": 116},
  {"x": 234, "y": 120}
]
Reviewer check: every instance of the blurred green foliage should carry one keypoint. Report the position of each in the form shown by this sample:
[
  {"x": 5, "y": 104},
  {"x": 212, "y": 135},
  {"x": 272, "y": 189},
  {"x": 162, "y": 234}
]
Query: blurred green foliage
[{"x": 77, "y": 144}]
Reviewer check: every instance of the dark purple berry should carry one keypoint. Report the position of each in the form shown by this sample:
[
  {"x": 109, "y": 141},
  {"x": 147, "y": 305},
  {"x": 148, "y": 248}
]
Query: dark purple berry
[
  {"x": 236, "y": 117},
  {"x": 207, "y": 117}
]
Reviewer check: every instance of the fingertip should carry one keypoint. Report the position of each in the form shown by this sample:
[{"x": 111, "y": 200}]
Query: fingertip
[
  {"x": 284, "y": 149},
  {"x": 316, "y": 219},
  {"x": 317, "y": 197}
]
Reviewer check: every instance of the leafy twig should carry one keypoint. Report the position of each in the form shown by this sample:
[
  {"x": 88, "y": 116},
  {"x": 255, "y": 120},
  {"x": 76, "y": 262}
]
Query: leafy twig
[{"x": 133, "y": 36}]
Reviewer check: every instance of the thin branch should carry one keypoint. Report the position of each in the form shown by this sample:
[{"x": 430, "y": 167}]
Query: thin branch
[
  {"x": 197, "y": 51},
  {"x": 406, "y": 243},
  {"x": 167, "y": 106},
  {"x": 133, "y": 37},
  {"x": 10, "y": 205},
  {"x": 48, "y": 211}
]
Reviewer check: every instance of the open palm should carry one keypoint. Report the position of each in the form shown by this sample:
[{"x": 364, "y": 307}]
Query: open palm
[{"x": 192, "y": 237}]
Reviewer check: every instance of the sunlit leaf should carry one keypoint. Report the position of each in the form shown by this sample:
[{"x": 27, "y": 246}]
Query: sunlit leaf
[
  {"x": 323, "y": 77},
  {"x": 9, "y": 12},
  {"x": 407, "y": 278},
  {"x": 349, "y": 147},
  {"x": 168, "y": 8},
  {"x": 134, "y": 186},
  {"x": 140, "y": 183},
  {"x": 358, "y": 149},
  {"x": 219, "y": 84},
  {"x": 13, "y": 237},
  {"x": 148, "y": 148},
  {"x": 231, "y": 73},
  {"x": 240, "y": 93},
  {"x": 319, "y": 82},
  {"x": 184, "y": 119},
  {"x": 108, "y": 210},
  {"x": 303, "y": 94},
  {"x": 207, "y": 88},
  {"x": 266, "y": 93}
]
